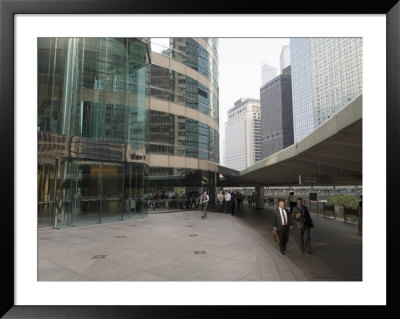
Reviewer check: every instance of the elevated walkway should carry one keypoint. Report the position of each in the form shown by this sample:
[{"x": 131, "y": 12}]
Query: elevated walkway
[{"x": 330, "y": 155}]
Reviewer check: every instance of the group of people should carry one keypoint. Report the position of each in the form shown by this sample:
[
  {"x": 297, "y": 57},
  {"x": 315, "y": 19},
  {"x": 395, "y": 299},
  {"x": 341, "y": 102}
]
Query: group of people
[
  {"x": 284, "y": 220},
  {"x": 172, "y": 200},
  {"x": 227, "y": 201}
]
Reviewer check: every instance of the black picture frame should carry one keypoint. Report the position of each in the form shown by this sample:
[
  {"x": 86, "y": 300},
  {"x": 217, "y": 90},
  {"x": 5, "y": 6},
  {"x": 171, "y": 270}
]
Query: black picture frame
[{"x": 8, "y": 9}]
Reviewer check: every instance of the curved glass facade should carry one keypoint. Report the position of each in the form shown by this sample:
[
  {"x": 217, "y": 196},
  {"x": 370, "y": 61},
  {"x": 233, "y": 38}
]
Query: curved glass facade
[
  {"x": 172, "y": 86},
  {"x": 89, "y": 86},
  {"x": 96, "y": 132},
  {"x": 190, "y": 53},
  {"x": 178, "y": 136},
  {"x": 92, "y": 129},
  {"x": 213, "y": 43}
]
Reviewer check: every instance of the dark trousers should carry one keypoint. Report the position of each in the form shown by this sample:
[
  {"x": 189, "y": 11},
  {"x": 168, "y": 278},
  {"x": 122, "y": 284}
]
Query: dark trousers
[
  {"x": 305, "y": 230},
  {"x": 292, "y": 204},
  {"x": 223, "y": 206},
  {"x": 227, "y": 207},
  {"x": 283, "y": 236}
]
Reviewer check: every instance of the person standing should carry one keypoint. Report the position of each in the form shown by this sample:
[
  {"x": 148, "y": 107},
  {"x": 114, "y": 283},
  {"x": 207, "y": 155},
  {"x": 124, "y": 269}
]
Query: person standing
[
  {"x": 193, "y": 201},
  {"x": 233, "y": 201},
  {"x": 239, "y": 199},
  {"x": 253, "y": 199},
  {"x": 292, "y": 201},
  {"x": 223, "y": 202},
  {"x": 228, "y": 198},
  {"x": 204, "y": 202},
  {"x": 304, "y": 223},
  {"x": 282, "y": 225},
  {"x": 220, "y": 198}
]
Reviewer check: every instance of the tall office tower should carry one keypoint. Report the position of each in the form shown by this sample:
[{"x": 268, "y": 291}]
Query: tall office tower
[
  {"x": 243, "y": 134},
  {"x": 118, "y": 121},
  {"x": 276, "y": 114},
  {"x": 183, "y": 148},
  {"x": 224, "y": 153},
  {"x": 326, "y": 75},
  {"x": 285, "y": 57},
  {"x": 268, "y": 72}
]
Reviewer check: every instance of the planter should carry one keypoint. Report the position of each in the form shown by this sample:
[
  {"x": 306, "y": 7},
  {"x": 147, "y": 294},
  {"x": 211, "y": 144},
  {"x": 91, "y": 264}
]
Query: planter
[
  {"x": 328, "y": 211},
  {"x": 351, "y": 215},
  {"x": 339, "y": 212}
]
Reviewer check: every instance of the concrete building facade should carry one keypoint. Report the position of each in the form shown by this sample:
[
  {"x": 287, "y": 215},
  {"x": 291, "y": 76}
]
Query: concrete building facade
[
  {"x": 276, "y": 114},
  {"x": 243, "y": 134},
  {"x": 326, "y": 75}
]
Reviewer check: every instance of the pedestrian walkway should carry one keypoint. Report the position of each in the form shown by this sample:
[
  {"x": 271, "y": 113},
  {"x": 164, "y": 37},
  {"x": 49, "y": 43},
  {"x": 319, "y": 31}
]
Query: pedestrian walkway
[
  {"x": 336, "y": 246},
  {"x": 164, "y": 247}
]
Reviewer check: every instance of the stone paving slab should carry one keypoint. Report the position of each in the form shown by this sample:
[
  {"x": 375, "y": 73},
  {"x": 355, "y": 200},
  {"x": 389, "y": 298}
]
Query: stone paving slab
[{"x": 161, "y": 247}]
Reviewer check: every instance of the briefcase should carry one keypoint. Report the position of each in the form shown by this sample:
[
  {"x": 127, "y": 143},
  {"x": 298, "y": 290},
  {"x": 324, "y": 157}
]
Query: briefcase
[{"x": 276, "y": 238}]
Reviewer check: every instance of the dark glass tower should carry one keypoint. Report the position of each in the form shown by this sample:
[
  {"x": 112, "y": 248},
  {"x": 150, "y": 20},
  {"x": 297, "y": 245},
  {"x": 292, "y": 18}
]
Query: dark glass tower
[{"x": 276, "y": 114}]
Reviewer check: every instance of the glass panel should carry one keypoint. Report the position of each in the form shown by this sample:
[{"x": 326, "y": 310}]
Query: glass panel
[
  {"x": 175, "y": 189},
  {"x": 92, "y": 92},
  {"x": 46, "y": 194}
]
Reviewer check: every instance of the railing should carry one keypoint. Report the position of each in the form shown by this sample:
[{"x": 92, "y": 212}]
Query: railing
[{"x": 339, "y": 213}]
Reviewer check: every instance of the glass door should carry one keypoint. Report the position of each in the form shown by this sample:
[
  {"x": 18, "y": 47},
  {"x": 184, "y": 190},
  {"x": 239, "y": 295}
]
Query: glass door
[{"x": 46, "y": 193}]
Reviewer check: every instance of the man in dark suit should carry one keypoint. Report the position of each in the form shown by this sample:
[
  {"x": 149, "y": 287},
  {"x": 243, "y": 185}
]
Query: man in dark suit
[
  {"x": 282, "y": 224},
  {"x": 304, "y": 223}
]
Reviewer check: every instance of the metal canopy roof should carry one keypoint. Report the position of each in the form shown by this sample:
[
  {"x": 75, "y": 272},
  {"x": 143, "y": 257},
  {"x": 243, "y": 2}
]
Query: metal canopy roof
[{"x": 330, "y": 155}]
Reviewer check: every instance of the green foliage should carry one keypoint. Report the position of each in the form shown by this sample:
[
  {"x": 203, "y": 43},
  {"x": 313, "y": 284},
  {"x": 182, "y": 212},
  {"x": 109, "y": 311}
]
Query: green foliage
[{"x": 344, "y": 200}]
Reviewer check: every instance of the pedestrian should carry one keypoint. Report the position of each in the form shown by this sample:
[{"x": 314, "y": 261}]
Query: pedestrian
[
  {"x": 163, "y": 199},
  {"x": 239, "y": 200},
  {"x": 156, "y": 200},
  {"x": 233, "y": 200},
  {"x": 172, "y": 199},
  {"x": 282, "y": 225},
  {"x": 304, "y": 223},
  {"x": 204, "y": 202},
  {"x": 220, "y": 198},
  {"x": 223, "y": 202},
  {"x": 292, "y": 201},
  {"x": 151, "y": 201},
  {"x": 253, "y": 199},
  {"x": 182, "y": 200},
  {"x": 188, "y": 199},
  {"x": 228, "y": 198}
]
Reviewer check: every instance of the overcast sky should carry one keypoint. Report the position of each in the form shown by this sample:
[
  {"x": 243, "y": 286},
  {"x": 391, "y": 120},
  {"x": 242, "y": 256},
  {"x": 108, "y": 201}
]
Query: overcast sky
[{"x": 240, "y": 61}]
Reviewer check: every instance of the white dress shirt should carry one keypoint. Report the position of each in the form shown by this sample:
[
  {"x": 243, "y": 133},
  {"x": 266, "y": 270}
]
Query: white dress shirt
[{"x": 282, "y": 210}]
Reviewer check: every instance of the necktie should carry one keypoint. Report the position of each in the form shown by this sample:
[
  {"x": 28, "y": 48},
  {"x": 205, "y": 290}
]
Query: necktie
[{"x": 284, "y": 218}]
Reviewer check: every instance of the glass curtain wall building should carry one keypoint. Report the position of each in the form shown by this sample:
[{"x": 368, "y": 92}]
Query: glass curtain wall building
[
  {"x": 183, "y": 148},
  {"x": 125, "y": 126},
  {"x": 326, "y": 75},
  {"x": 92, "y": 129}
]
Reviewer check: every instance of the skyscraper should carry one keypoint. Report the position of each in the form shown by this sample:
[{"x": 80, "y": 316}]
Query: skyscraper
[
  {"x": 183, "y": 147},
  {"x": 243, "y": 134},
  {"x": 285, "y": 57},
  {"x": 326, "y": 75},
  {"x": 268, "y": 72},
  {"x": 276, "y": 114},
  {"x": 119, "y": 124}
]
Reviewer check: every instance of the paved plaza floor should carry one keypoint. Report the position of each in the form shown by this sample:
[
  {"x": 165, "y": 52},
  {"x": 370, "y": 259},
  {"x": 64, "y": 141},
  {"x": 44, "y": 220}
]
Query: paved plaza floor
[
  {"x": 176, "y": 246},
  {"x": 336, "y": 246}
]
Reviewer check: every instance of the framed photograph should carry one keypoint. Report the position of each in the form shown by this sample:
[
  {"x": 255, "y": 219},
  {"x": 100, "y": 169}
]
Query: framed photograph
[{"x": 67, "y": 66}]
